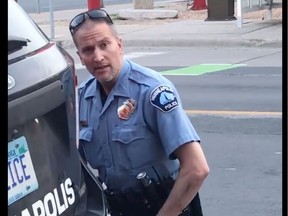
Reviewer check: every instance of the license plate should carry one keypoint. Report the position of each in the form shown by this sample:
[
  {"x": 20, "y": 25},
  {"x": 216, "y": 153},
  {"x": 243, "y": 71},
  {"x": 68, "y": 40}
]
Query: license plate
[{"x": 21, "y": 175}]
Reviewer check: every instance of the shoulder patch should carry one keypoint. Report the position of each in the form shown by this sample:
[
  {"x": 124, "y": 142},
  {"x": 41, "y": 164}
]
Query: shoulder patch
[{"x": 163, "y": 98}]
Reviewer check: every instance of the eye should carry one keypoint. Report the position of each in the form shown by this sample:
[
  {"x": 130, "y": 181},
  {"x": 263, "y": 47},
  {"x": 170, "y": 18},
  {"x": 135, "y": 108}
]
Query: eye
[
  {"x": 103, "y": 45},
  {"x": 88, "y": 50}
]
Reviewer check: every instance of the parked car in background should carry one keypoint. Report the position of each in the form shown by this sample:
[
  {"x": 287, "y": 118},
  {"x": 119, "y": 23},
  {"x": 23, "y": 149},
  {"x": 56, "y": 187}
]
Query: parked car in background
[{"x": 45, "y": 173}]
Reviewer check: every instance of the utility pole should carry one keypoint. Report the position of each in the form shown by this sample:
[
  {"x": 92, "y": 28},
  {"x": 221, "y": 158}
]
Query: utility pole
[{"x": 52, "y": 34}]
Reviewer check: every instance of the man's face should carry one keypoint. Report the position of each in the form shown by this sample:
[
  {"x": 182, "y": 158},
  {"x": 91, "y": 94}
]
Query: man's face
[{"x": 99, "y": 50}]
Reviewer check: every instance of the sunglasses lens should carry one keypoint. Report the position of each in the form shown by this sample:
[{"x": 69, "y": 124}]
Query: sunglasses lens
[
  {"x": 96, "y": 13},
  {"x": 93, "y": 14},
  {"x": 78, "y": 20}
]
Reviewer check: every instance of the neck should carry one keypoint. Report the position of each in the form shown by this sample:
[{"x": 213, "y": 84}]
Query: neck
[{"x": 108, "y": 86}]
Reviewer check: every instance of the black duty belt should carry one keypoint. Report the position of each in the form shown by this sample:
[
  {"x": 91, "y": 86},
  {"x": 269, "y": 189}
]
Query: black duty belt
[{"x": 137, "y": 203}]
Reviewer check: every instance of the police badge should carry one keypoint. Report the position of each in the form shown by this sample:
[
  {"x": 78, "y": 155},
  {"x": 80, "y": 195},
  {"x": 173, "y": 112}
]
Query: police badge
[{"x": 126, "y": 109}]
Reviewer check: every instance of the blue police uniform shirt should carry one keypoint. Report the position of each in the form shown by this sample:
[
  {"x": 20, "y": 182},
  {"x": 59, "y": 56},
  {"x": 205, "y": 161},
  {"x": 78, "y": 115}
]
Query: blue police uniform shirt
[{"x": 145, "y": 141}]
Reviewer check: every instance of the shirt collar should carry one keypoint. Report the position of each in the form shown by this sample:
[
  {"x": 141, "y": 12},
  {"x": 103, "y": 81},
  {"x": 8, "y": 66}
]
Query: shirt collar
[
  {"x": 121, "y": 86},
  {"x": 90, "y": 86}
]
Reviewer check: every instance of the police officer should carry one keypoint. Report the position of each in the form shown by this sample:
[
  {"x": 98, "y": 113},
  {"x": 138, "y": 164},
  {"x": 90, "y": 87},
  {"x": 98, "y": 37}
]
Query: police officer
[{"x": 132, "y": 120}]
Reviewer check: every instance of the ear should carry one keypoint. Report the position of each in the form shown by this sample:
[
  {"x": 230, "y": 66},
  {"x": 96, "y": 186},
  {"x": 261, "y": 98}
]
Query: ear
[{"x": 120, "y": 44}]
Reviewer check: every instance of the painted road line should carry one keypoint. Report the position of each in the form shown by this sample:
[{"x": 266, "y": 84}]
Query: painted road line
[
  {"x": 141, "y": 54},
  {"x": 201, "y": 69},
  {"x": 235, "y": 113}
]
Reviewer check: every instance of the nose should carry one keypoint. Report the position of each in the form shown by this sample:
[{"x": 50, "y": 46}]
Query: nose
[{"x": 98, "y": 56}]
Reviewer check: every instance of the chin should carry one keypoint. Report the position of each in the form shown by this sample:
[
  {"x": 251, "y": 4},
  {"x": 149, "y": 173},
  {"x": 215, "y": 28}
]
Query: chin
[{"x": 106, "y": 79}]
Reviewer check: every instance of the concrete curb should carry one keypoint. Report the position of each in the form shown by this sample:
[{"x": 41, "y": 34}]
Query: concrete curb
[
  {"x": 68, "y": 44},
  {"x": 200, "y": 34},
  {"x": 202, "y": 43}
]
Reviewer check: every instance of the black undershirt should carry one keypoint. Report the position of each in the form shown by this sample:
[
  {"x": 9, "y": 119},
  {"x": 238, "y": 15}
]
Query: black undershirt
[{"x": 102, "y": 94}]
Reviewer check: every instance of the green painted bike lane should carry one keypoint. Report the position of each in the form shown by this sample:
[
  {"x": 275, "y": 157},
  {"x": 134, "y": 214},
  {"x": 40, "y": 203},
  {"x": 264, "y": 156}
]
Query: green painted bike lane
[{"x": 201, "y": 69}]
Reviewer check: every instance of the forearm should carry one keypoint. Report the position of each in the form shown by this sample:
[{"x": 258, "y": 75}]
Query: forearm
[
  {"x": 193, "y": 170},
  {"x": 185, "y": 188}
]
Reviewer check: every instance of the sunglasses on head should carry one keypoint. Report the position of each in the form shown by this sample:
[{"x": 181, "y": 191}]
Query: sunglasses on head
[{"x": 79, "y": 19}]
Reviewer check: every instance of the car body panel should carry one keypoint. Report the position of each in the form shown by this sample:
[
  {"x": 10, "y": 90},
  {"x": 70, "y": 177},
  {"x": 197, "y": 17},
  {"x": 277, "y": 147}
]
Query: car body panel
[{"x": 45, "y": 173}]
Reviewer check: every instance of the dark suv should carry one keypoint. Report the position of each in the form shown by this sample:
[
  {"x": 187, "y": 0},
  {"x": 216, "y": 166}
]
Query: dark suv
[{"x": 45, "y": 174}]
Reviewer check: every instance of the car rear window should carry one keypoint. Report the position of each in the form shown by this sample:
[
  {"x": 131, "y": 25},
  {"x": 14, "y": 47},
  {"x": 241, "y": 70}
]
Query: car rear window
[{"x": 20, "y": 25}]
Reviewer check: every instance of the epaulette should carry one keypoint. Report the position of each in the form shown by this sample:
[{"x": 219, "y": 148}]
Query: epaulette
[{"x": 85, "y": 84}]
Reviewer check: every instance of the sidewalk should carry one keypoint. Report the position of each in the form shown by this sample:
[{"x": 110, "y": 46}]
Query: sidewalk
[{"x": 173, "y": 33}]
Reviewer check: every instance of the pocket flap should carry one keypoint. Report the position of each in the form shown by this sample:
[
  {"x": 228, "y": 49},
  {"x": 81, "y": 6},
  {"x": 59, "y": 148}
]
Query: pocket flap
[
  {"x": 86, "y": 134},
  {"x": 128, "y": 134}
]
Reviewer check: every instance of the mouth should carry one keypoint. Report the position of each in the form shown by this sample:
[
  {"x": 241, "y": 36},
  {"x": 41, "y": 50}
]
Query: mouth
[{"x": 101, "y": 69}]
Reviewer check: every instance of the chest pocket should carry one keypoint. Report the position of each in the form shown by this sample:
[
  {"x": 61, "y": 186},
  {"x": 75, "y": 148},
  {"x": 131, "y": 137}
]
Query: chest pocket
[
  {"x": 128, "y": 134},
  {"x": 135, "y": 146}
]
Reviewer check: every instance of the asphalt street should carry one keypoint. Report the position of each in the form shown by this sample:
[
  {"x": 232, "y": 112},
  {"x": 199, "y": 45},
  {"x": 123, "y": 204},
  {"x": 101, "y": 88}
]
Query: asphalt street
[
  {"x": 244, "y": 151},
  {"x": 245, "y": 167}
]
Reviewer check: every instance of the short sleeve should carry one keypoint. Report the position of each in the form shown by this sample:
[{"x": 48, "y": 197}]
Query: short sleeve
[{"x": 170, "y": 120}]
